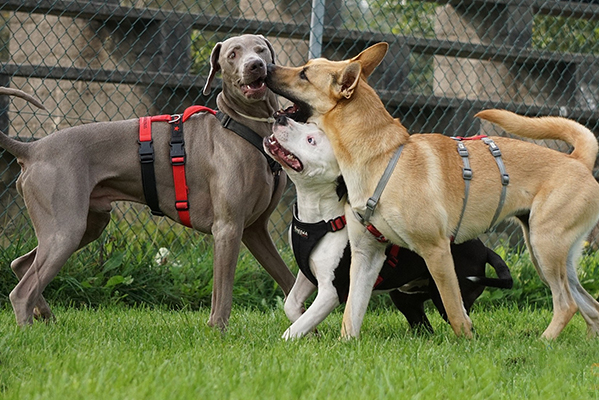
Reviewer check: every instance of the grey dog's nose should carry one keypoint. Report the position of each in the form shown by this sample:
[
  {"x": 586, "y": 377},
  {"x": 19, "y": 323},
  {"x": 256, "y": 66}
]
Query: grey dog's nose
[
  {"x": 281, "y": 120},
  {"x": 255, "y": 65}
]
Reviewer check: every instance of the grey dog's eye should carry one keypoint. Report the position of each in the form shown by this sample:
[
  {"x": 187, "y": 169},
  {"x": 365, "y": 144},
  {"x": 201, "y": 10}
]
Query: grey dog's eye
[{"x": 311, "y": 140}]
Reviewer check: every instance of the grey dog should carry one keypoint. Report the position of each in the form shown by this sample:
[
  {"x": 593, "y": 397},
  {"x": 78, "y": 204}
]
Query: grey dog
[{"x": 70, "y": 178}]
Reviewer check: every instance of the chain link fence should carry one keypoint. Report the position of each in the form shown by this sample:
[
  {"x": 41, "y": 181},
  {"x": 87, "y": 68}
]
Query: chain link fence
[{"x": 112, "y": 59}]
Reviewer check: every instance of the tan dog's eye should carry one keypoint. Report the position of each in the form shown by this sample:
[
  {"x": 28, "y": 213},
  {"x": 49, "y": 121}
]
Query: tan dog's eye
[{"x": 302, "y": 75}]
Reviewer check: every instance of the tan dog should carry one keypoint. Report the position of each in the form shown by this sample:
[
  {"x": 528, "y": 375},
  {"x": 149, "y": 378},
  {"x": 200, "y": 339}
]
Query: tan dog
[{"x": 552, "y": 194}]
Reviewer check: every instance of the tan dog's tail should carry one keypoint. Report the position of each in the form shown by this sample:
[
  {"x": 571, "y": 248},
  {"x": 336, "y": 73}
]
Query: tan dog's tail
[
  {"x": 15, "y": 147},
  {"x": 557, "y": 128}
]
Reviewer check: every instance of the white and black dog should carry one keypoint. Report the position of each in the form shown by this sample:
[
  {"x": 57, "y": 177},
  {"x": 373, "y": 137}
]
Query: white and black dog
[{"x": 321, "y": 246}]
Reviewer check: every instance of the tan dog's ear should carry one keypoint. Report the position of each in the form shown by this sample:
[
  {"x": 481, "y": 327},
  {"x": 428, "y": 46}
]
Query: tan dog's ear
[
  {"x": 371, "y": 57},
  {"x": 214, "y": 68},
  {"x": 350, "y": 77}
]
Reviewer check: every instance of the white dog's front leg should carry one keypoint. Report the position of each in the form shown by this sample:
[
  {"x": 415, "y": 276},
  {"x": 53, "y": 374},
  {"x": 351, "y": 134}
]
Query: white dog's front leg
[
  {"x": 326, "y": 300},
  {"x": 368, "y": 256},
  {"x": 301, "y": 290}
]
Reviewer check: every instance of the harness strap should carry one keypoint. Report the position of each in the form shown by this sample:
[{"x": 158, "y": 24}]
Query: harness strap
[
  {"x": 388, "y": 271},
  {"x": 374, "y": 200},
  {"x": 505, "y": 178},
  {"x": 378, "y": 191},
  {"x": 146, "y": 158},
  {"x": 467, "y": 175},
  {"x": 177, "y": 154},
  {"x": 249, "y": 135}
]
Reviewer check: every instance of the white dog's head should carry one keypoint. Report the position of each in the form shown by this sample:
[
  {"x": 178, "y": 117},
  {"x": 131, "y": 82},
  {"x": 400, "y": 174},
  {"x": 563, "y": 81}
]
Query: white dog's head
[{"x": 304, "y": 152}]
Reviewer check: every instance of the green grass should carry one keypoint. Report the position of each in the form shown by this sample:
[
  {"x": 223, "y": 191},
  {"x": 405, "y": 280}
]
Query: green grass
[{"x": 117, "y": 352}]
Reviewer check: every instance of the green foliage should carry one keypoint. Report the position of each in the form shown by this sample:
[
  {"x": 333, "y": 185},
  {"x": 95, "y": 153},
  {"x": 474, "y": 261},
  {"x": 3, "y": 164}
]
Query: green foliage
[
  {"x": 145, "y": 262},
  {"x": 568, "y": 35},
  {"x": 415, "y": 18},
  {"x": 528, "y": 288},
  {"x": 200, "y": 53}
]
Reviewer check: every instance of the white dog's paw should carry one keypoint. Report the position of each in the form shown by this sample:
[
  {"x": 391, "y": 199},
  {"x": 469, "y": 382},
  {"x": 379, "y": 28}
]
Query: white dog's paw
[{"x": 290, "y": 334}]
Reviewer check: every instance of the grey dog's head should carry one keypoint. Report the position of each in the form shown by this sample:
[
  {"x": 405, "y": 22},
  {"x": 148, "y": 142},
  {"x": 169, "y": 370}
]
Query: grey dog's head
[{"x": 242, "y": 62}]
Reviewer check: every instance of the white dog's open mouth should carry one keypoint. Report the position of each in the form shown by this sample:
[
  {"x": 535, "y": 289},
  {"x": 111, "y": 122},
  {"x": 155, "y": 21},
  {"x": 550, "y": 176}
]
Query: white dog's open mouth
[
  {"x": 255, "y": 89},
  {"x": 281, "y": 154}
]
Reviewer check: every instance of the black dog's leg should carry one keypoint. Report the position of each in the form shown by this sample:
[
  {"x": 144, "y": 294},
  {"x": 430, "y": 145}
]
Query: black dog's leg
[{"x": 412, "y": 306}]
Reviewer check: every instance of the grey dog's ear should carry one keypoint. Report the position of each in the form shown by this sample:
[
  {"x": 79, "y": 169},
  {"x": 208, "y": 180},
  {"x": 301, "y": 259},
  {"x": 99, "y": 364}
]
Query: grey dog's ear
[
  {"x": 214, "y": 68},
  {"x": 272, "y": 50}
]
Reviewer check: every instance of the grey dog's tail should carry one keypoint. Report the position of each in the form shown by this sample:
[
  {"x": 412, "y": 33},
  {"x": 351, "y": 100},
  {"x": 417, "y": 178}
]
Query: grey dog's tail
[
  {"x": 504, "y": 277},
  {"x": 13, "y": 146}
]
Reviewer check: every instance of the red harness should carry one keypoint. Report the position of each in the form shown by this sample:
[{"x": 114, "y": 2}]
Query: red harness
[{"x": 177, "y": 155}]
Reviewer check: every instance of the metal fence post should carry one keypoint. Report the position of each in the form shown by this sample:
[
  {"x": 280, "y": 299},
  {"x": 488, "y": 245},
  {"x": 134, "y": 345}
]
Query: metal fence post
[{"x": 317, "y": 28}]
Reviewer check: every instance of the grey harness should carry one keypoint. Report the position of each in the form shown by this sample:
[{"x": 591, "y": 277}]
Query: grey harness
[{"x": 466, "y": 174}]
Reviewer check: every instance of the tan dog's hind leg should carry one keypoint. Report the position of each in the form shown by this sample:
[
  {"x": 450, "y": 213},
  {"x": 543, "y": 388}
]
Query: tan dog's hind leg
[
  {"x": 367, "y": 257},
  {"x": 550, "y": 258},
  {"x": 440, "y": 264},
  {"x": 587, "y": 305}
]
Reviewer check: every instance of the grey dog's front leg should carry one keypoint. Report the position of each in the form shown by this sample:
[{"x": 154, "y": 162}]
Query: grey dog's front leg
[{"x": 227, "y": 242}]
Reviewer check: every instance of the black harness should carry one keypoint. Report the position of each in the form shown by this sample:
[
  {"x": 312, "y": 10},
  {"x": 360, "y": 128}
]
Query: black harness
[{"x": 305, "y": 236}]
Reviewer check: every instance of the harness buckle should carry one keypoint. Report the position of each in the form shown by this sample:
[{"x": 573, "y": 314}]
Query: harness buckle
[
  {"x": 371, "y": 204},
  {"x": 467, "y": 173},
  {"x": 146, "y": 152},
  {"x": 337, "y": 223},
  {"x": 494, "y": 150},
  {"x": 376, "y": 233},
  {"x": 177, "y": 153},
  {"x": 182, "y": 205},
  {"x": 505, "y": 179},
  {"x": 225, "y": 121},
  {"x": 462, "y": 150}
]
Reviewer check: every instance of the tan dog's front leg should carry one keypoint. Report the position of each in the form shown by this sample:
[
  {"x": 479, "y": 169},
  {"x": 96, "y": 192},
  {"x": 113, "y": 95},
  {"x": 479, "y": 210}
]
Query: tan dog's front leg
[
  {"x": 440, "y": 264},
  {"x": 367, "y": 260}
]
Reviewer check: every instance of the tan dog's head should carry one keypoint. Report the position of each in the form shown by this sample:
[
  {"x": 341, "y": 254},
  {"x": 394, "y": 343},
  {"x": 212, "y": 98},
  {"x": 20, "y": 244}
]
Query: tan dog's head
[{"x": 318, "y": 86}]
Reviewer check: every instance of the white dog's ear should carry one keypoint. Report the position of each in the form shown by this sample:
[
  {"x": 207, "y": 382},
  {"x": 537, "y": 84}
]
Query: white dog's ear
[
  {"x": 272, "y": 50},
  {"x": 214, "y": 68},
  {"x": 350, "y": 77},
  {"x": 371, "y": 57}
]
